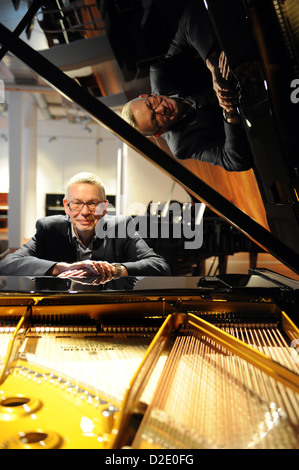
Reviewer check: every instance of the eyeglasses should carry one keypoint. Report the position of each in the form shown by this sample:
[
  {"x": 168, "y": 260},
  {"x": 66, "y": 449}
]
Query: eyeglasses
[
  {"x": 154, "y": 114},
  {"x": 77, "y": 206}
]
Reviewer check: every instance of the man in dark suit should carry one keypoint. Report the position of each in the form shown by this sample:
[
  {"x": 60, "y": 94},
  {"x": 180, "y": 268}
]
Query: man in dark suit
[
  {"x": 86, "y": 241},
  {"x": 193, "y": 103}
]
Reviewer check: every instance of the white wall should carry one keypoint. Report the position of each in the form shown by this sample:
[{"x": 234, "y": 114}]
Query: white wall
[
  {"x": 4, "y": 180},
  {"x": 64, "y": 149}
]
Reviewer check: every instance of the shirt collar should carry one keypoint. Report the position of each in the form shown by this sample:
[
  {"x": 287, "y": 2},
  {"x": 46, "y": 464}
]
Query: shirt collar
[
  {"x": 200, "y": 100},
  {"x": 77, "y": 240}
]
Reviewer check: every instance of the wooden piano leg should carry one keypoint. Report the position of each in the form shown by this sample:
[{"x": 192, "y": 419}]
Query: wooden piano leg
[{"x": 252, "y": 260}]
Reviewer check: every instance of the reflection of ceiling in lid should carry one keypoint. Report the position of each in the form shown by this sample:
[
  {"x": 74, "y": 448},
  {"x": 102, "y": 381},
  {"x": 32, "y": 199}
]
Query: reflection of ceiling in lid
[
  {"x": 78, "y": 45},
  {"x": 107, "y": 45}
]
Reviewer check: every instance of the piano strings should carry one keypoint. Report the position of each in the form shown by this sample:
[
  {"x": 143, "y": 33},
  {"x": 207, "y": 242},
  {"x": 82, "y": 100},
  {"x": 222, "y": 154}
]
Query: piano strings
[
  {"x": 208, "y": 397},
  {"x": 102, "y": 364}
]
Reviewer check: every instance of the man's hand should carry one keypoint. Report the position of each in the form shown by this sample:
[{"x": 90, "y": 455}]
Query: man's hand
[
  {"x": 227, "y": 97},
  {"x": 227, "y": 100},
  {"x": 219, "y": 69},
  {"x": 223, "y": 66},
  {"x": 81, "y": 269}
]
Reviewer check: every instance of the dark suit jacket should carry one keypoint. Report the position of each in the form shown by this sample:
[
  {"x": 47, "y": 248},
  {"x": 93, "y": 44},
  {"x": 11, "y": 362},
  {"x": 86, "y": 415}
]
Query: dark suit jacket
[
  {"x": 53, "y": 243},
  {"x": 203, "y": 134}
]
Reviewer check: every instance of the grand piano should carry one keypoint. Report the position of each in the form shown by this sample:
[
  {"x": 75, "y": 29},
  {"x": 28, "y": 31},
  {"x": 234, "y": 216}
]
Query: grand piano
[{"x": 181, "y": 362}]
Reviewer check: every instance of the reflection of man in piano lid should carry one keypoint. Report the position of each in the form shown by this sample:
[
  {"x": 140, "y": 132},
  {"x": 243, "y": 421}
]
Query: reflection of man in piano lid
[
  {"x": 193, "y": 102},
  {"x": 71, "y": 246}
]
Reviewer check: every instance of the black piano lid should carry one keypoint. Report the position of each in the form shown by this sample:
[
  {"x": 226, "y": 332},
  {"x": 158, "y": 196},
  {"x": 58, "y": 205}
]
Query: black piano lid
[
  {"x": 173, "y": 168},
  {"x": 259, "y": 279},
  {"x": 250, "y": 289}
]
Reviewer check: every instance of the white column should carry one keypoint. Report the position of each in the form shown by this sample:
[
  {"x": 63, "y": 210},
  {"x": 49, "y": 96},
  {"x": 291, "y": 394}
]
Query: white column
[
  {"x": 121, "y": 183},
  {"x": 16, "y": 170},
  {"x": 30, "y": 163}
]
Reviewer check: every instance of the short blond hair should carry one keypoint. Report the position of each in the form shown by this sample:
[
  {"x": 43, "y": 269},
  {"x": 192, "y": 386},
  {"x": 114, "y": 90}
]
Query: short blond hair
[
  {"x": 127, "y": 114},
  {"x": 86, "y": 177}
]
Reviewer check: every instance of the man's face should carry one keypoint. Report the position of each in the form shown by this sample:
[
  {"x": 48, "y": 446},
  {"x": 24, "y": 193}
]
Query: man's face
[
  {"x": 84, "y": 218},
  {"x": 154, "y": 114}
]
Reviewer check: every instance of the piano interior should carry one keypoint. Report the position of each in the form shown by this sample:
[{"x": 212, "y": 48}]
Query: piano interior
[
  {"x": 190, "y": 367},
  {"x": 174, "y": 363}
]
